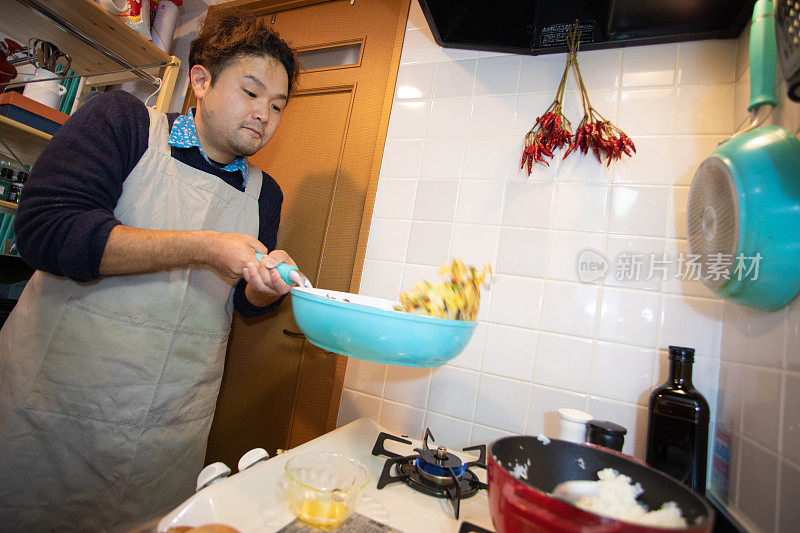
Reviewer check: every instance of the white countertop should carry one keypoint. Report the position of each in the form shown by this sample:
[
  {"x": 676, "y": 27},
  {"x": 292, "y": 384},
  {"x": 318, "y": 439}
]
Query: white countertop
[{"x": 255, "y": 501}]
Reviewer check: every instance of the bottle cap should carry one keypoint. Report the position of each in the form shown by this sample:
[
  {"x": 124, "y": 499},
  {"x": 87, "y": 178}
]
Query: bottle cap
[
  {"x": 607, "y": 428},
  {"x": 682, "y": 354}
]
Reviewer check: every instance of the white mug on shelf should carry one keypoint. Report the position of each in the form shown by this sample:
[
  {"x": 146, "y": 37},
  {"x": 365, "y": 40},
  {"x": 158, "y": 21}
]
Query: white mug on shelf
[
  {"x": 115, "y": 7},
  {"x": 48, "y": 93}
]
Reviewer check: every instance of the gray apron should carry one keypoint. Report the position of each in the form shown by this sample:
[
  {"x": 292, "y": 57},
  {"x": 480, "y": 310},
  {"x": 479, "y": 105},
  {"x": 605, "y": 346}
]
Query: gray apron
[{"x": 108, "y": 388}]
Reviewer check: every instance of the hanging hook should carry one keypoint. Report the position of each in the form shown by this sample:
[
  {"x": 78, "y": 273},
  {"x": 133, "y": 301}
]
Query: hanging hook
[{"x": 272, "y": 19}]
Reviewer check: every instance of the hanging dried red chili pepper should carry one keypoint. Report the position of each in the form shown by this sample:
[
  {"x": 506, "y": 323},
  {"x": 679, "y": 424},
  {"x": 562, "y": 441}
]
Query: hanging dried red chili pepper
[
  {"x": 551, "y": 131},
  {"x": 595, "y": 132}
]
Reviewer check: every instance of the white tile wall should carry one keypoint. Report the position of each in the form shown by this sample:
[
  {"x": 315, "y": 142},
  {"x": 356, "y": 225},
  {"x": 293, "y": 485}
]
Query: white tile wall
[
  {"x": 487, "y": 158},
  {"x": 622, "y": 372},
  {"x": 401, "y": 419},
  {"x": 428, "y": 243},
  {"x": 436, "y": 200},
  {"x": 649, "y": 66},
  {"x": 515, "y": 301},
  {"x": 480, "y": 202},
  {"x": 629, "y": 317},
  {"x": 442, "y": 158},
  {"x": 758, "y": 489},
  {"x": 788, "y": 510},
  {"x": 509, "y": 351},
  {"x": 563, "y": 362},
  {"x": 545, "y": 339},
  {"x": 520, "y": 252},
  {"x": 454, "y": 78},
  {"x": 569, "y": 308},
  {"x": 453, "y": 392},
  {"x": 502, "y": 403}
]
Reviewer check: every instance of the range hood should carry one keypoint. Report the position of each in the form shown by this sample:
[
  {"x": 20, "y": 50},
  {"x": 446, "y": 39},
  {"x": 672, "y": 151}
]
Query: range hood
[{"x": 540, "y": 26}]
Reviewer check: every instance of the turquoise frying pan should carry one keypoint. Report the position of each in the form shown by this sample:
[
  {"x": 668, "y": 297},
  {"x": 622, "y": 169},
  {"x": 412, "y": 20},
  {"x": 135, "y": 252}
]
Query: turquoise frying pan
[
  {"x": 743, "y": 214},
  {"x": 369, "y": 328}
]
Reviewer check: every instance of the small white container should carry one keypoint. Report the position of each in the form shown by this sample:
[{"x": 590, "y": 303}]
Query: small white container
[{"x": 573, "y": 424}]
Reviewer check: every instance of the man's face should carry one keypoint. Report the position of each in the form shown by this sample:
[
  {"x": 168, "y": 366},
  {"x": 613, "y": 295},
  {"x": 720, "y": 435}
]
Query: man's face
[{"x": 239, "y": 113}]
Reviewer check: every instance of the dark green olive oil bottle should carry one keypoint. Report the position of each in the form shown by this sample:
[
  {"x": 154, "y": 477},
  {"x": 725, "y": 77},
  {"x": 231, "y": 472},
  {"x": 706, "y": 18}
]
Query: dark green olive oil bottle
[{"x": 677, "y": 431}]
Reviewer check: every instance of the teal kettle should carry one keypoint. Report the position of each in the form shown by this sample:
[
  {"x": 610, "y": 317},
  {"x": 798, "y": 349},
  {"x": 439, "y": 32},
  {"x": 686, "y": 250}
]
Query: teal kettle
[{"x": 743, "y": 213}]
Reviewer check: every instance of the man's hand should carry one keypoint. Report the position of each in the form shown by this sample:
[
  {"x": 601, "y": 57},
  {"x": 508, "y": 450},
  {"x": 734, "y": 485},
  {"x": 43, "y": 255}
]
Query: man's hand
[
  {"x": 229, "y": 253},
  {"x": 264, "y": 284}
]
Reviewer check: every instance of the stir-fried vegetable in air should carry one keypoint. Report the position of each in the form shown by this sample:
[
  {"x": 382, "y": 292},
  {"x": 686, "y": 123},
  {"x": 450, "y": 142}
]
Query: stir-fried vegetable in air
[{"x": 457, "y": 297}]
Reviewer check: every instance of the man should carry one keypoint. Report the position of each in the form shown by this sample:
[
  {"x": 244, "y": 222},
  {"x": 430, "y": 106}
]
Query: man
[{"x": 139, "y": 225}]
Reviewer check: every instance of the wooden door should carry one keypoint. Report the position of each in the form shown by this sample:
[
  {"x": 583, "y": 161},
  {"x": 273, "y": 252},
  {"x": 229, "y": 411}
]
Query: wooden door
[{"x": 278, "y": 390}]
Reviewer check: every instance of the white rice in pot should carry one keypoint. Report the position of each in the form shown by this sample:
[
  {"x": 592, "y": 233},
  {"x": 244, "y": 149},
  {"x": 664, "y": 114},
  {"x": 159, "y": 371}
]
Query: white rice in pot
[{"x": 616, "y": 498}]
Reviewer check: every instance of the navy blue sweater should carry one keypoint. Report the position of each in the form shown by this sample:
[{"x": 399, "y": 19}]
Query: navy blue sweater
[{"x": 67, "y": 207}]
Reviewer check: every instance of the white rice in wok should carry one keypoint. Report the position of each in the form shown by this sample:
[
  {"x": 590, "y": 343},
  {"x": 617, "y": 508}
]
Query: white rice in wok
[{"x": 616, "y": 498}]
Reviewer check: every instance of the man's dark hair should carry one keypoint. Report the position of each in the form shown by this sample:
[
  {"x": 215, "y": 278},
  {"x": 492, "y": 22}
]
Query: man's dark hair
[{"x": 228, "y": 35}]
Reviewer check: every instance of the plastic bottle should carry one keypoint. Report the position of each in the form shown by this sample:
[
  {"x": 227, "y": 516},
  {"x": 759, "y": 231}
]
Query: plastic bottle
[
  {"x": 677, "y": 431},
  {"x": 164, "y": 23}
]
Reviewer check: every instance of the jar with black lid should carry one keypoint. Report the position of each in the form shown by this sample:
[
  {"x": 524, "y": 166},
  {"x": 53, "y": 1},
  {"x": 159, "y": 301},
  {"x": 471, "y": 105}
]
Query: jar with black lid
[{"x": 605, "y": 433}]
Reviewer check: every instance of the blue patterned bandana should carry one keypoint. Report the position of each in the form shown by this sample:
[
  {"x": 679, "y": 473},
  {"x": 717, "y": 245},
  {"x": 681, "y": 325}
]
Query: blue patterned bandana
[{"x": 184, "y": 135}]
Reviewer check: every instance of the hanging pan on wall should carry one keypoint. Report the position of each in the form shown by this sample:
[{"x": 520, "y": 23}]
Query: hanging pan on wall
[{"x": 743, "y": 214}]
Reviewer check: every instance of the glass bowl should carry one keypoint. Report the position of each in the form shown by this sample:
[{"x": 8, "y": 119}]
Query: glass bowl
[{"x": 324, "y": 488}]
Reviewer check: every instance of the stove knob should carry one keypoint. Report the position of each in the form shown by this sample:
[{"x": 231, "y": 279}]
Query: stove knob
[
  {"x": 211, "y": 474},
  {"x": 254, "y": 456}
]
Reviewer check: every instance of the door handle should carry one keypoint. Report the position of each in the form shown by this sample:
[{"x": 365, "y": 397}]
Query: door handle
[{"x": 294, "y": 334}]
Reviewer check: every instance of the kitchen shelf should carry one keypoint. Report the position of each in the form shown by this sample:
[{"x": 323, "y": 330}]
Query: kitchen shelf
[
  {"x": 8, "y": 207},
  {"x": 101, "y": 31},
  {"x": 96, "y": 41},
  {"x": 26, "y": 142}
]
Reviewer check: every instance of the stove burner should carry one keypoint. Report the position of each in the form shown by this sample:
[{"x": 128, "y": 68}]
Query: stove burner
[
  {"x": 436, "y": 465},
  {"x": 436, "y": 472}
]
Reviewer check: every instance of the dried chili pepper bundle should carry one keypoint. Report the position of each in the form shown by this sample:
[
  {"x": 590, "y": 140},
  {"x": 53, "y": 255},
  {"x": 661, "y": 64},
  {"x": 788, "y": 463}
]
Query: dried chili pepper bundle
[
  {"x": 551, "y": 131},
  {"x": 603, "y": 138},
  {"x": 595, "y": 132}
]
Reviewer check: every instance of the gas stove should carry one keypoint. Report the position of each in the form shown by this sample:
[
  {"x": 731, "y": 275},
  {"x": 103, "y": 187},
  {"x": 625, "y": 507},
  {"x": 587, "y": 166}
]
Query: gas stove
[
  {"x": 432, "y": 490},
  {"x": 436, "y": 472}
]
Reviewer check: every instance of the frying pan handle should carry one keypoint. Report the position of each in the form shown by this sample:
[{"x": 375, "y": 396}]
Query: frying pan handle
[
  {"x": 763, "y": 55},
  {"x": 283, "y": 269}
]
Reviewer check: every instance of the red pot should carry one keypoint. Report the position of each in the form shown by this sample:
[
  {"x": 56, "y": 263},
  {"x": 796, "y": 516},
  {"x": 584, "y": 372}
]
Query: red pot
[{"x": 523, "y": 505}]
